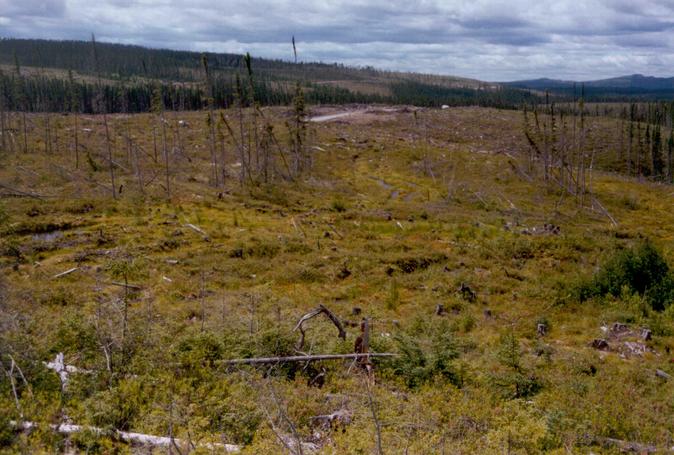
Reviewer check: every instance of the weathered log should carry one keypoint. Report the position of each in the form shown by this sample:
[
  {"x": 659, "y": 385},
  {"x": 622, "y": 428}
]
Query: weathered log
[
  {"x": 18, "y": 193},
  {"x": 126, "y": 436},
  {"x": 304, "y": 358},
  {"x": 627, "y": 446}
]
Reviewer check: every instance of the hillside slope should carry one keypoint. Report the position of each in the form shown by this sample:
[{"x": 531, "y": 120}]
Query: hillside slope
[{"x": 129, "y": 73}]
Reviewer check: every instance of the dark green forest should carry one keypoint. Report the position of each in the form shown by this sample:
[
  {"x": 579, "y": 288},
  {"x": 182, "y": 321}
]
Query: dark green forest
[{"x": 122, "y": 78}]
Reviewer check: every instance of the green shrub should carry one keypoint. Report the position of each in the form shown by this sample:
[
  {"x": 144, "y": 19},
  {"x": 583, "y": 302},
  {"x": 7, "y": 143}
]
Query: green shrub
[
  {"x": 118, "y": 407},
  {"x": 393, "y": 297},
  {"x": 7, "y": 433},
  {"x": 4, "y": 216},
  {"x": 641, "y": 270},
  {"x": 338, "y": 206},
  {"x": 199, "y": 351},
  {"x": 513, "y": 380},
  {"x": 416, "y": 366},
  {"x": 412, "y": 264},
  {"x": 274, "y": 343}
]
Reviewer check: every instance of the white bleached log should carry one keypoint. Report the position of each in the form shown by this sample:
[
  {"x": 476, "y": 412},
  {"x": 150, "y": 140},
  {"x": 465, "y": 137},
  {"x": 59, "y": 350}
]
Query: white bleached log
[{"x": 127, "y": 436}]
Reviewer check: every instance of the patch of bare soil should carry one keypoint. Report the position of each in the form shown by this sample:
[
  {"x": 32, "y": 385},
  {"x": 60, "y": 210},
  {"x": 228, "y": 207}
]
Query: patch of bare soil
[{"x": 358, "y": 114}]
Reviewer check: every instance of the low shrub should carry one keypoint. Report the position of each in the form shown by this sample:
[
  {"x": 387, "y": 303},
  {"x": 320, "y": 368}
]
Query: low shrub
[
  {"x": 641, "y": 270},
  {"x": 417, "y": 366}
]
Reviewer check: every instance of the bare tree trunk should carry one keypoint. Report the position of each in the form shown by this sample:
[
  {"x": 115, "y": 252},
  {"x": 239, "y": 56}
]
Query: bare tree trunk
[
  {"x": 223, "y": 157},
  {"x": 630, "y": 137},
  {"x": 128, "y": 141},
  {"x": 109, "y": 149},
  {"x": 125, "y": 313},
  {"x": 166, "y": 157},
  {"x": 47, "y": 135},
  {"x": 154, "y": 142},
  {"x": 242, "y": 151},
  {"x": 138, "y": 171},
  {"x": 202, "y": 294},
  {"x": 77, "y": 145},
  {"x": 3, "y": 133},
  {"x": 373, "y": 410},
  {"x": 25, "y": 133},
  {"x": 211, "y": 144}
]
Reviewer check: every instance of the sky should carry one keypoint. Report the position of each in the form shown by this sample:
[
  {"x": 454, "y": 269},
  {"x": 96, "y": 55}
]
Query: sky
[{"x": 484, "y": 39}]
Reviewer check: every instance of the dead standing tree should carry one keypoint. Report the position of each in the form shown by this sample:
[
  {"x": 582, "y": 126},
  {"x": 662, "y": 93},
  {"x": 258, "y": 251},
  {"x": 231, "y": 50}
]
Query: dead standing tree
[
  {"x": 210, "y": 119},
  {"x": 103, "y": 108},
  {"x": 157, "y": 107},
  {"x": 565, "y": 163}
]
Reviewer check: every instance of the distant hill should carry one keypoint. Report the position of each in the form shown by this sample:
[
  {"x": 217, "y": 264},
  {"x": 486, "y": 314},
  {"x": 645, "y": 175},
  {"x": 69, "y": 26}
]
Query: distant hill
[{"x": 635, "y": 86}]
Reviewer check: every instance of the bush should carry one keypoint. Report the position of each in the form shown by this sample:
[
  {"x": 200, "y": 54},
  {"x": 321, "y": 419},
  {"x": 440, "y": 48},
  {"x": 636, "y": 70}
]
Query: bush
[
  {"x": 118, "y": 407},
  {"x": 641, "y": 270},
  {"x": 273, "y": 343},
  {"x": 513, "y": 380},
  {"x": 417, "y": 367},
  {"x": 338, "y": 206},
  {"x": 4, "y": 217},
  {"x": 199, "y": 351}
]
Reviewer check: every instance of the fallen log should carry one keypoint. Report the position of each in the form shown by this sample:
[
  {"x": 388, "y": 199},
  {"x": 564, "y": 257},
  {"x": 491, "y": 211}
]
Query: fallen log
[
  {"x": 18, "y": 193},
  {"x": 126, "y": 436},
  {"x": 627, "y": 446},
  {"x": 304, "y": 358}
]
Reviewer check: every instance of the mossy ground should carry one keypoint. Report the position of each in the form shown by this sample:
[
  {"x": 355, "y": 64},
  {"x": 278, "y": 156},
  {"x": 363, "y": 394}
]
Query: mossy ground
[{"x": 411, "y": 209}]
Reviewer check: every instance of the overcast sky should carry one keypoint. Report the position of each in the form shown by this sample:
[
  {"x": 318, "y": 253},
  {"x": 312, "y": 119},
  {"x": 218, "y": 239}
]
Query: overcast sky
[{"x": 485, "y": 39}]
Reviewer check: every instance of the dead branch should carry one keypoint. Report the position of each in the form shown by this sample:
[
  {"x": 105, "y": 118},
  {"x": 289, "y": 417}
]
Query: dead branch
[
  {"x": 321, "y": 309},
  {"x": 298, "y": 227},
  {"x": 304, "y": 358},
  {"x": 59, "y": 366},
  {"x": 67, "y": 272},
  {"x": 197, "y": 229},
  {"x": 603, "y": 210},
  {"x": 331, "y": 226},
  {"x": 341, "y": 417},
  {"x": 135, "y": 287},
  {"x": 373, "y": 410},
  {"x": 18, "y": 193}
]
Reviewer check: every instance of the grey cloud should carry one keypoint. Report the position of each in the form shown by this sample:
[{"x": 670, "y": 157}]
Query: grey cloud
[
  {"x": 32, "y": 8},
  {"x": 487, "y": 39}
]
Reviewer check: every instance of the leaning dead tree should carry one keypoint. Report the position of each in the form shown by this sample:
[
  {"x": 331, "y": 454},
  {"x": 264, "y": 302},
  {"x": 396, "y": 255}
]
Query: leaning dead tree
[{"x": 320, "y": 310}]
